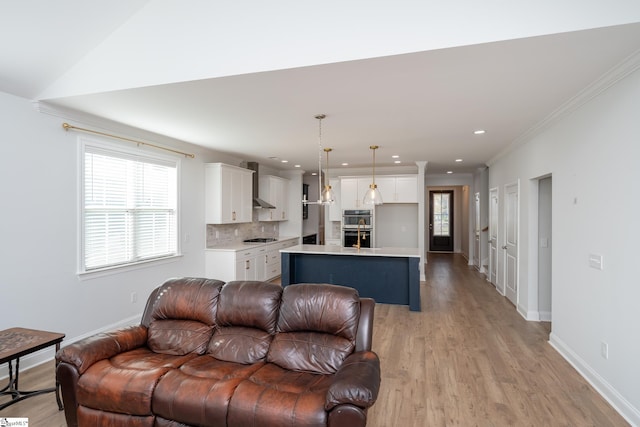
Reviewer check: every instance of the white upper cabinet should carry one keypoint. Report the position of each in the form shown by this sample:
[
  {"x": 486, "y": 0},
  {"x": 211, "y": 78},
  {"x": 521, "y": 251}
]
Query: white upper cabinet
[
  {"x": 228, "y": 195},
  {"x": 352, "y": 191},
  {"x": 393, "y": 189},
  {"x": 398, "y": 189},
  {"x": 274, "y": 190}
]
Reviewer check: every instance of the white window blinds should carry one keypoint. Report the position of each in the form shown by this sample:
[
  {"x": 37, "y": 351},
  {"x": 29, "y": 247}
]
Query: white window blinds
[{"x": 129, "y": 208}]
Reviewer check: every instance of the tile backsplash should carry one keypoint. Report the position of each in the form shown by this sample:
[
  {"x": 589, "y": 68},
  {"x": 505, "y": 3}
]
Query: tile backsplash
[{"x": 227, "y": 234}]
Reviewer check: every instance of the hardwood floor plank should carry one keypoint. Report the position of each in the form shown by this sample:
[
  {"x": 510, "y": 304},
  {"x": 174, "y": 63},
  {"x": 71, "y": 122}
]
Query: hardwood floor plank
[{"x": 468, "y": 359}]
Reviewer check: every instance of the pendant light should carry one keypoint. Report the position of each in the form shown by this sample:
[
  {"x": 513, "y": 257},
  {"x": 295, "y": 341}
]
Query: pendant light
[
  {"x": 326, "y": 195},
  {"x": 372, "y": 196}
]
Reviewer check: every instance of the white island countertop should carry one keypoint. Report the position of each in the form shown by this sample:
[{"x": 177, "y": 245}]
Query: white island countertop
[{"x": 339, "y": 250}]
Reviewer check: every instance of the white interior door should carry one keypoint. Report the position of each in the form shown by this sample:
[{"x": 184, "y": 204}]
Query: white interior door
[
  {"x": 493, "y": 236},
  {"x": 476, "y": 231},
  {"x": 511, "y": 243}
]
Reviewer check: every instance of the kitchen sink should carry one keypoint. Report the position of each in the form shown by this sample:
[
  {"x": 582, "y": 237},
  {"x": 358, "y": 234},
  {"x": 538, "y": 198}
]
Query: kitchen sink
[{"x": 260, "y": 240}]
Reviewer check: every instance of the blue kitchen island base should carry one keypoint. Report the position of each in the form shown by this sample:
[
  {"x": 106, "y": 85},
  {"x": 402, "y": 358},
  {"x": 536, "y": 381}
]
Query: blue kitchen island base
[{"x": 387, "y": 279}]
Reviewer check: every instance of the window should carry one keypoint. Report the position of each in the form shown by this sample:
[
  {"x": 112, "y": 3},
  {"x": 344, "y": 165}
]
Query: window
[
  {"x": 441, "y": 214},
  {"x": 129, "y": 207}
]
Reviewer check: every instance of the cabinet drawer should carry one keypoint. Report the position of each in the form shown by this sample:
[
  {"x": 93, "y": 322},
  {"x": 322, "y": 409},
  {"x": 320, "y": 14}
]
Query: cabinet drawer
[{"x": 250, "y": 253}]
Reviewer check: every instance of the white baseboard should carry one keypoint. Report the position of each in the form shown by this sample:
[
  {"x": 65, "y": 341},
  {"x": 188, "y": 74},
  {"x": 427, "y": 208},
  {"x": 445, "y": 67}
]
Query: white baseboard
[
  {"x": 47, "y": 354},
  {"x": 545, "y": 316},
  {"x": 606, "y": 390}
]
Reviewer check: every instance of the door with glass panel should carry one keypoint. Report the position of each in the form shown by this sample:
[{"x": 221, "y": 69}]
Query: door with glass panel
[{"x": 441, "y": 221}]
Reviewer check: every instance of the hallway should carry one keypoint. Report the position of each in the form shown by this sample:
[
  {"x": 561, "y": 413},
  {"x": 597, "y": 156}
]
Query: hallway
[{"x": 470, "y": 359}]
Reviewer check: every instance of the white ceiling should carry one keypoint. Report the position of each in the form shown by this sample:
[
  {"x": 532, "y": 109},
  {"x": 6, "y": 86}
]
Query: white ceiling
[{"x": 416, "y": 80}]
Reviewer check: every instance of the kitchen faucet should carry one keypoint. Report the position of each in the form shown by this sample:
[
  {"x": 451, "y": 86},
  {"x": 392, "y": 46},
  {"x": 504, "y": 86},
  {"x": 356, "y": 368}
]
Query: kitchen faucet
[{"x": 364, "y": 235}]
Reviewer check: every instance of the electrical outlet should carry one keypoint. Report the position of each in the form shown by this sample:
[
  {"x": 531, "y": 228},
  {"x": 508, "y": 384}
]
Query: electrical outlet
[
  {"x": 604, "y": 350},
  {"x": 134, "y": 297}
]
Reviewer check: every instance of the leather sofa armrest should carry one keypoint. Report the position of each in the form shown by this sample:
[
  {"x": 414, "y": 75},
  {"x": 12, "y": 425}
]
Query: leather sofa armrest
[
  {"x": 86, "y": 352},
  {"x": 357, "y": 382}
]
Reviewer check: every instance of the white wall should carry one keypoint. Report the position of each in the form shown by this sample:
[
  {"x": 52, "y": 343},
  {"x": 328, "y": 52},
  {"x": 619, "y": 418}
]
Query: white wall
[
  {"x": 592, "y": 154},
  {"x": 396, "y": 225},
  {"x": 38, "y": 227}
]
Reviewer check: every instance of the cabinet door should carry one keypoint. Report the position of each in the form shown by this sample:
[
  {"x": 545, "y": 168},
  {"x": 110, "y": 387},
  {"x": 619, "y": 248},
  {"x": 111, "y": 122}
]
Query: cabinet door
[
  {"x": 387, "y": 187},
  {"x": 230, "y": 188},
  {"x": 274, "y": 190},
  {"x": 227, "y": 194},
  {"x": 406, "y": 189},
  {"x": 349, "y": 198},
  {"x": 242, "y": 183}
]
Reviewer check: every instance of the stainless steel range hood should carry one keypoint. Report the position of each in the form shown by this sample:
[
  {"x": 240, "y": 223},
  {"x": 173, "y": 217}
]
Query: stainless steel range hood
[{"x": 258, "y": 203}]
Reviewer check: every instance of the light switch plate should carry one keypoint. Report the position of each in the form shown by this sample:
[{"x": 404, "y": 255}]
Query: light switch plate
[{"x": 595, "y": 261}]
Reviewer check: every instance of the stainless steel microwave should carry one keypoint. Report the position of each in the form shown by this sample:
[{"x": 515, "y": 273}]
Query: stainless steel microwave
[{"x": 353, "y": 218}]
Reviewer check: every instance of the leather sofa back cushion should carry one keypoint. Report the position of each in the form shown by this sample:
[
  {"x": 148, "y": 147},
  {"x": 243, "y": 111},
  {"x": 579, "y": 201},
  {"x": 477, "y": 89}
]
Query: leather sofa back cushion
[
  {"x": 316, "y": 328},
  {"x": 178, "y": 337},
  {"x": 187, "y": 299},
  {"x": 247, "y": 319},
  {"x": 251, "y": 304}
]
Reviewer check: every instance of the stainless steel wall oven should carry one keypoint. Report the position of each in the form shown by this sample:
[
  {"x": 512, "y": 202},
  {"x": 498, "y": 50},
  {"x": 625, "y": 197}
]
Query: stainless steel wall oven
[{"x": 357, "y": 220}]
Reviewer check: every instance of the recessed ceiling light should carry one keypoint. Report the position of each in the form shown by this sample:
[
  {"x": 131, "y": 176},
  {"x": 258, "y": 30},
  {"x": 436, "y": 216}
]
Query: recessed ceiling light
[
  {"x": 395, "y": 156},
  {"x": 345, "y": 164},
  {"x": 296, "y": 166},
  {"x": 479, "y": 132},
  {"x": 284, "y": 161},
  {"x": 314, "y": 173},
  {"x": 397, "y": 161},
  {"x": 458, "y": 160},
  {"x": 449, "y": 172}
]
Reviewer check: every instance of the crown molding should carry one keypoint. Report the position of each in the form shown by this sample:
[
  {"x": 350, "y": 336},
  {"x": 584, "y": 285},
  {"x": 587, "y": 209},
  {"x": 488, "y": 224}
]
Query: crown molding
[{"x": 628, "y": 66}]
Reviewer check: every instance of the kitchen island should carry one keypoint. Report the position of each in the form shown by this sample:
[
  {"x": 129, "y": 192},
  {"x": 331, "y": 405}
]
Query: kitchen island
[{"x": 388, "y": 275}]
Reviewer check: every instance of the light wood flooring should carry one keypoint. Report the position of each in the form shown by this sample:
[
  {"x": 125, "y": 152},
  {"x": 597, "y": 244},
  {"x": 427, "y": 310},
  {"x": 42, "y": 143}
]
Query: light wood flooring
[{"x": 468, "y": 359}]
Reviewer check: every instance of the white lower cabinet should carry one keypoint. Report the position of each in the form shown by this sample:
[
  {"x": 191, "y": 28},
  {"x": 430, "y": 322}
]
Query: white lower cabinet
[
  {"x": 255, "y": 263},
  {"x": 273, "y": 263}
]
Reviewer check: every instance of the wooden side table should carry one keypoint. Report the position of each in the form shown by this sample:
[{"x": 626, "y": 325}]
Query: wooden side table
[{"x": 18, "y": 342}]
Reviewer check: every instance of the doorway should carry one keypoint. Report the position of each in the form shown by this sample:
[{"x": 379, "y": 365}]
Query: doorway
[
  {"x": 545, "y": 187},
  {"x": 441, "y": 220}
]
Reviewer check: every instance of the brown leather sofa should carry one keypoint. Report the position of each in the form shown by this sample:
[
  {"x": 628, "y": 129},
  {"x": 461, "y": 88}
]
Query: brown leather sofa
[{"x": 237, "y": 354}]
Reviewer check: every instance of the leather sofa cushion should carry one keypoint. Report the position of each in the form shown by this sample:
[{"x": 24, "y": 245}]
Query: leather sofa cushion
[
  {"x": 247, "y": 319},
  {"x": 126, "y": 382},
  {"x": 178, "y": 337},
  {"x": 251, "y": 304},
  {"x": 239, "y": 344},
  {"x": 332, "y": 309},
  {"x": 273, "y": 394},
  {"x": 187, "y": 299},
  {"x": 199, "y": 391},
  {"x": 309, "y": 351},
  {"x": 317, "y": 328}
]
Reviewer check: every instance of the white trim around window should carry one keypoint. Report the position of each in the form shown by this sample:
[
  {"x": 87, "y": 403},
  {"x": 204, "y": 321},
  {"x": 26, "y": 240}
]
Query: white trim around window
[{"x": 128, "y": 203}]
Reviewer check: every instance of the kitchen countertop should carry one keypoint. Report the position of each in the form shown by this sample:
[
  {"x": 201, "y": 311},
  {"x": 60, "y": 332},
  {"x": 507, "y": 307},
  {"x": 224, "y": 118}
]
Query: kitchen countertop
[
  {"x": 339, "y": 250},
  {"x": 240, "y": 245}
]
